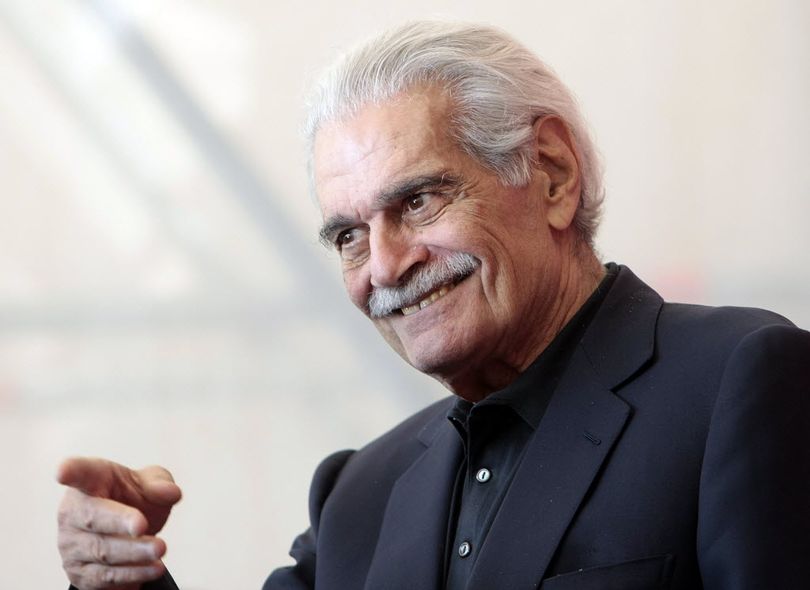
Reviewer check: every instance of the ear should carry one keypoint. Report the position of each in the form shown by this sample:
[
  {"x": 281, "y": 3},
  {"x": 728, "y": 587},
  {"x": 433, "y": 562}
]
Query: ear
[{"x": 557, "y": 160}]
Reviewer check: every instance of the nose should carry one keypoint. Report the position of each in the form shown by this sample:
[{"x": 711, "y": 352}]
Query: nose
[{"x": 392, "y": 254}]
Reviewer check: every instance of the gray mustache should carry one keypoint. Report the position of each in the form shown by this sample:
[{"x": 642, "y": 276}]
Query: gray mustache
[{"x": 424, "y": 279}]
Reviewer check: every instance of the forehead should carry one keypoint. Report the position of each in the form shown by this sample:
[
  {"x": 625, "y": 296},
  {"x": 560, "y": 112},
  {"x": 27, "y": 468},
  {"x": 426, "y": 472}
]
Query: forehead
[{"x": 381, "y": 145}]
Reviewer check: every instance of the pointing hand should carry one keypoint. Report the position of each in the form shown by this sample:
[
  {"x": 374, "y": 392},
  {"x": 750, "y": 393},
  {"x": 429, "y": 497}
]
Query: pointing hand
[{"x": 108, "y": 520}]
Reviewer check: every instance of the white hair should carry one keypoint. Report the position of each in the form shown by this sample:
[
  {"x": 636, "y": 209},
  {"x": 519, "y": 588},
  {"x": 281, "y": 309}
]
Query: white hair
[{"x": 498, "y": 87}]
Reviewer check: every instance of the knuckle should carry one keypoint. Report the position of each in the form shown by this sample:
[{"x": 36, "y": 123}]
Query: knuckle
[
  {"x": 67, "y": 508},
  {"x": 72, "y": 568},
  {"x": 86, "y": 517},
  {"x": 66, "y": 543},
  {"x": 62, "y": 517},
  {"x": 108, "y": 576},
  {"x": 80, "y": 575},
  {"x": 71, "y": 546},
  {"x": 100, "y": 551}
]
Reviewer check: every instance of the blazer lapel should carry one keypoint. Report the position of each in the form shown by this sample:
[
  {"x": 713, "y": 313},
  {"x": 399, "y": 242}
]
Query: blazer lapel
[
  {"x": 411, "y": 546},
  {"x": 621, "y": 337},
  {"x": 582, "y": 423}
]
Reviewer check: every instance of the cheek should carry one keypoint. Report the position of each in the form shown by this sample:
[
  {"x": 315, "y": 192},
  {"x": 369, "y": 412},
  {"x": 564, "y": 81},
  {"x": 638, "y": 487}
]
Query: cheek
[{"x": 357, "y": 288}]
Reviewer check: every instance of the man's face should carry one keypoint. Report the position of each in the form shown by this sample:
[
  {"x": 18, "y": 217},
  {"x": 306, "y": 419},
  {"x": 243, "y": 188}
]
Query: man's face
[{"x": 400, "y": 200}]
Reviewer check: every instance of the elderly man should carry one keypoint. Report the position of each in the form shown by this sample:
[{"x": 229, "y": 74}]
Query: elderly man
[{"x": 598, "y": 437}]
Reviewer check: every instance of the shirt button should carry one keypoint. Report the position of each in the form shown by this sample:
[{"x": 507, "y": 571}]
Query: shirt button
[
  {"x": 464, "y": 549},
  {"x": 483, "y": 475}
]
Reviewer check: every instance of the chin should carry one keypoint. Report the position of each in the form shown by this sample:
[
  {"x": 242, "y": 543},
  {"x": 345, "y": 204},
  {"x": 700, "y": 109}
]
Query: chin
[{"x": 439, "y": 364}]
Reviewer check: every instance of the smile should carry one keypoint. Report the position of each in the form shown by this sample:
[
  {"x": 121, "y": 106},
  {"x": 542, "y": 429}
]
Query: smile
[{"x": 441, "y": 292}]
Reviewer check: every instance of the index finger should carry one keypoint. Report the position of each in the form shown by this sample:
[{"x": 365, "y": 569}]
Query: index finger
[{"x": 91, "y": 475}]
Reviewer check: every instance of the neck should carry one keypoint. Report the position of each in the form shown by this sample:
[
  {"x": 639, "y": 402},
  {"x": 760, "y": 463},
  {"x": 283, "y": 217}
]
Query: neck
[{"x": 578, "y": 278}]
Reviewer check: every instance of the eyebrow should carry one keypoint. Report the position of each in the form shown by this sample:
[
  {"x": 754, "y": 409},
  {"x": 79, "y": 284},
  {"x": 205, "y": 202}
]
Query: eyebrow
[
  {"x": 332, "y": 226},
  {"x": 412, "y": 186},
  {"x": 397, "y": 192}
]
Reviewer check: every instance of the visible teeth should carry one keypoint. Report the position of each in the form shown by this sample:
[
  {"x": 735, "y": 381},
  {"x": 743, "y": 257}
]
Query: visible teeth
[{"x": 410, "y": 309}]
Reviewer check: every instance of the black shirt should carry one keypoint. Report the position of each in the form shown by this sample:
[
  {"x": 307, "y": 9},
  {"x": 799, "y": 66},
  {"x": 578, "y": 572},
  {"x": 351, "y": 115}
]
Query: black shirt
[{"x": 495, "y": 431}]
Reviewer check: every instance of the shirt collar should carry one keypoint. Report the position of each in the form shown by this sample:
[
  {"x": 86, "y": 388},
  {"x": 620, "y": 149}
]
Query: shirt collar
[{"x": 528, "y": 395}]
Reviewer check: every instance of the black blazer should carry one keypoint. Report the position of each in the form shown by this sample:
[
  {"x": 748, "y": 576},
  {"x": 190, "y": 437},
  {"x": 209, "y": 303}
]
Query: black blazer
[{"x": 675, "y": 454}]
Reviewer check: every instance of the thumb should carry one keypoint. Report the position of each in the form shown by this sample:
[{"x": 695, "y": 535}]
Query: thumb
[{"x": 157, "y": 485}]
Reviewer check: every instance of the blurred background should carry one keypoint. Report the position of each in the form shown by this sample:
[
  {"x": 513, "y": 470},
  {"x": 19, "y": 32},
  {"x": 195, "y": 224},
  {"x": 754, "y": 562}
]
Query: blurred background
[{"x": 163, "y": 298}]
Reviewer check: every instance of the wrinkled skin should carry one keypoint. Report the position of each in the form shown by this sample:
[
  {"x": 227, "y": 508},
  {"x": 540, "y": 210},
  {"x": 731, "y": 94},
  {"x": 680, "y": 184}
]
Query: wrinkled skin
[
  {"x": 108, "y": 520},
  {"x": 397, "y": 194}
]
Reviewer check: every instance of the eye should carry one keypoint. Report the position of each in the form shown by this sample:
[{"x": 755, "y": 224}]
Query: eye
[
  {"x": 344, "y": 238},
  {"x": 415, "y": 203},
  {"x": 352, "y": 244},
  {"x": 422, "y": 207}
]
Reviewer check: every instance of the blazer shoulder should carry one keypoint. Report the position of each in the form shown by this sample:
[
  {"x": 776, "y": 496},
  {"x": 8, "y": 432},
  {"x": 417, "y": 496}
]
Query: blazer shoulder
[
  {"x": 382, "y": 458},
  {"x": 720, "y": 328},
  {"x": 419, "y": 428},
  {"x": 697, "y": 345},
  {"x": 385, "y": 458}
]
